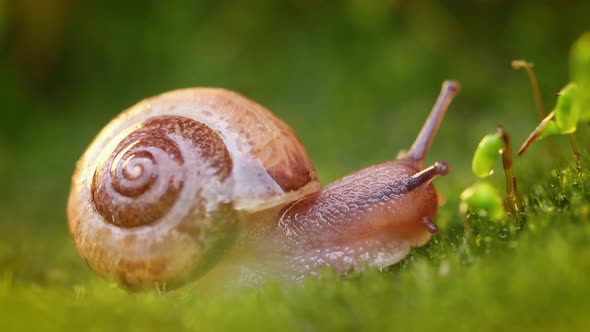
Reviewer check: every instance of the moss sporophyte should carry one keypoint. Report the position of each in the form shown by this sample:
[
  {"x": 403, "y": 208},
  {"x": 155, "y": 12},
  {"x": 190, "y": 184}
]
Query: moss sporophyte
[
  {"x": 573, "y": 101},
  {"x": 572, "y": 108},
  {"x": 482, "y": 198}
]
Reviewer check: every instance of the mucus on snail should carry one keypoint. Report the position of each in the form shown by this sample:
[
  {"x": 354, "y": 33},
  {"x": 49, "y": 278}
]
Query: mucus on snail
[{"x": 172, "y": 185}]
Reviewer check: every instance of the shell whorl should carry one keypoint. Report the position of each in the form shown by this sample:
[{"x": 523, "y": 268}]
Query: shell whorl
[
  {"x": 161, "y": 211},
  {"x": 142, "y": 178}
]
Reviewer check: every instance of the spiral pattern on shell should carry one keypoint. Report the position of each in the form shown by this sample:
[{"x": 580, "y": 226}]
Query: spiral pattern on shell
[{"x": 143, "y": 177}]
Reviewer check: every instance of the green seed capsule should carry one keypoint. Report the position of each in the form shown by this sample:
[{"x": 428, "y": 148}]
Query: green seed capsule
[
  {"x": 567, "y": 109},
  {"x": 551, "y": 129},
  {"x": 484, "y": 200},
  {"x": 485, "y": 155},
  {"x": 580, "y": 60}
]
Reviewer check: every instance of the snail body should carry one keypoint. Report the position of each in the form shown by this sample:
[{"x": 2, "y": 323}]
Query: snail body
[{"x": 172, "y": 184}]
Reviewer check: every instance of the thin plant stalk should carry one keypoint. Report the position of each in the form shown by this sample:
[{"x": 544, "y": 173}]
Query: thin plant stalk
[
  {"x": 576, "y": 153},
  {"x": 528, "y": 67},
  {"x": 517, "y": 64},
  {"x": 536, "y": 133},
  {"x": 514, "y": 202}
]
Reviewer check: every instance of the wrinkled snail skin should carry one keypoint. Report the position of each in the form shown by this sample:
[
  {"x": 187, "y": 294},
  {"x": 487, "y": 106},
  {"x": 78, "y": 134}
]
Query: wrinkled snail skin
[
  {"x": 183, "y": 181},
  {"x": 371, "y": 217}
]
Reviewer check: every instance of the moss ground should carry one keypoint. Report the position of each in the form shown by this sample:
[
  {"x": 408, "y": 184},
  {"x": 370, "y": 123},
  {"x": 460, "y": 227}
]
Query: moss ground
[{"x": 529, "y": 278}]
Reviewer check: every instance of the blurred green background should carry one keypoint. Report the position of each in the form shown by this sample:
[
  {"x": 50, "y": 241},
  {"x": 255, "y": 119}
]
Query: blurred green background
[{"x": 354, "y": 78}]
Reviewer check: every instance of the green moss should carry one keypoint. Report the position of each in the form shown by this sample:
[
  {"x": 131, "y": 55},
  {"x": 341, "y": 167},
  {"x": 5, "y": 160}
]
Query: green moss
[{"x": 529, "y": 279}]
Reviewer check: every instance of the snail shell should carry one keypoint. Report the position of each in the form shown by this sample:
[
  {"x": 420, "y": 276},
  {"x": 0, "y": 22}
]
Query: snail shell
[{"x": 163, "y": 189}]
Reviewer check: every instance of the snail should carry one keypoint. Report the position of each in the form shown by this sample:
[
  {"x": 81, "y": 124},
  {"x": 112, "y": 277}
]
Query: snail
[{"x": 174, "y": 184}]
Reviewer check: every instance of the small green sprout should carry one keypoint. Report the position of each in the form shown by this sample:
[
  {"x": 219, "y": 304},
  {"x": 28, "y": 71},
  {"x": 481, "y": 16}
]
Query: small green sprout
[
  {"x": 573, "y": 101},
  {"x": 486, "y": 154},
  {"x": 567, "y": 111},
  {"x": 562, "y": 120},
  {"x": 484, "y": 200},
  {"x": 484, "y": 158}
]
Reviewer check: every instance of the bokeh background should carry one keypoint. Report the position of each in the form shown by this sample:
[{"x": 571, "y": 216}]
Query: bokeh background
[{"x": 354, "y": 78}]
